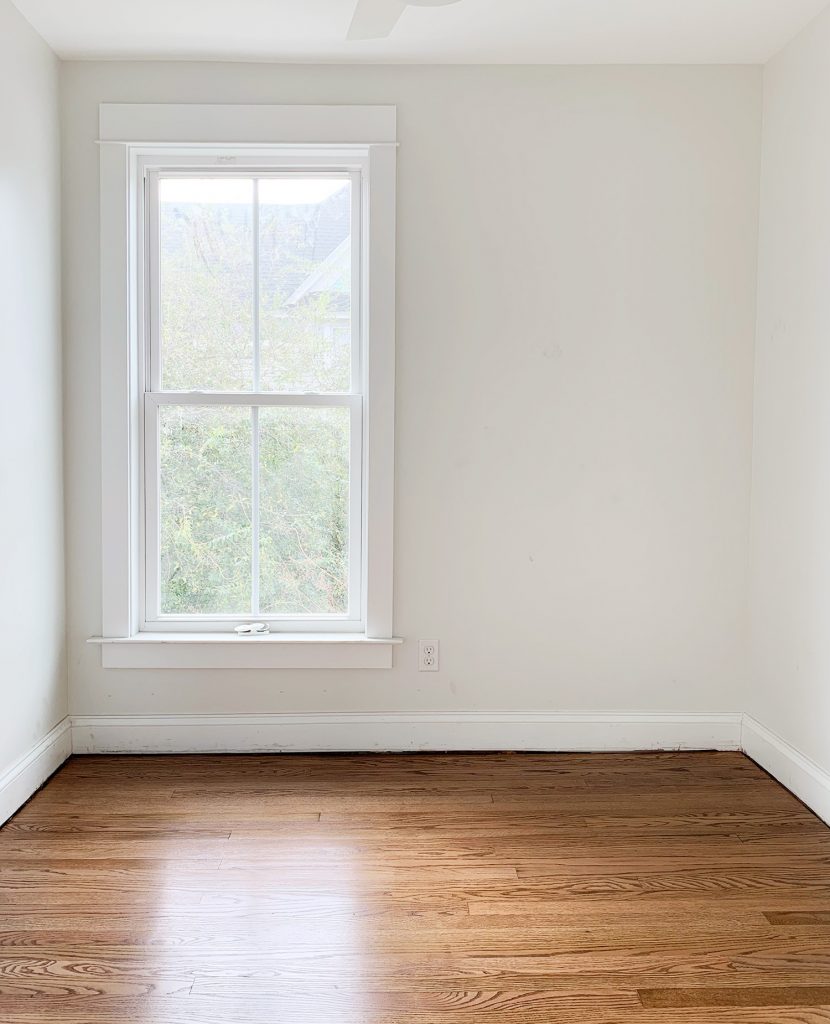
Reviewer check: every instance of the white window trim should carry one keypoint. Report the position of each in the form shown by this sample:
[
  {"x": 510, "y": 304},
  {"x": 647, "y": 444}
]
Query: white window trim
[{"x": 128, "y": 132}]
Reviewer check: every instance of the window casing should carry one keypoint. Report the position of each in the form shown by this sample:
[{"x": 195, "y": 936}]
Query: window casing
[{"x": 141, "y": 143}]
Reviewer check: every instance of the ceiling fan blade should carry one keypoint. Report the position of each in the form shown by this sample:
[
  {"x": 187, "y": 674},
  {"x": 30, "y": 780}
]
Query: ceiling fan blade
[{"x": 375, "y": 19}]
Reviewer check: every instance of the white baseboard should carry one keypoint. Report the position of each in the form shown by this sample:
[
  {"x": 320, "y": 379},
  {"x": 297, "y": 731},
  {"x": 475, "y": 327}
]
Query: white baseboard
[
  {"x": 546, "y": 731},
  {"x": 789, "y": 766},
  {"x": 23, "y": 778}
]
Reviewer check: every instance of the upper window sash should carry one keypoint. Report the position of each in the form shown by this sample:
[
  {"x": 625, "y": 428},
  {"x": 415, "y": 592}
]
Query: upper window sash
[{"x": 286, "y": 166}]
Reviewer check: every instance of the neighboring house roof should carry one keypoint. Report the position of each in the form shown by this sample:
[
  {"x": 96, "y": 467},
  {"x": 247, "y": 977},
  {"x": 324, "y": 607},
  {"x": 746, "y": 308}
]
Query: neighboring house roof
[{"x": 331, "y": 276}]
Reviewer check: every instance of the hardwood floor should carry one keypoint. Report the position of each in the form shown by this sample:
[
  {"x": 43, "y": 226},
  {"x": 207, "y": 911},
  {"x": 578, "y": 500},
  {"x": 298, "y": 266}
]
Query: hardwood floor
[{"x": 476, "y": 889}]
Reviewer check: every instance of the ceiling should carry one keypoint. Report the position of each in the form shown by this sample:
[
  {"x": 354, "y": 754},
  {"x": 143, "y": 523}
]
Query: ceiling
[{"x": 470, "y": 32}]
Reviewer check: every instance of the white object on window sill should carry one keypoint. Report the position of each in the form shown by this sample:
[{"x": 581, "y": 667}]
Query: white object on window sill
[
  {"x": 252, "y": 629},
  {"x": 229, "y": 651}
]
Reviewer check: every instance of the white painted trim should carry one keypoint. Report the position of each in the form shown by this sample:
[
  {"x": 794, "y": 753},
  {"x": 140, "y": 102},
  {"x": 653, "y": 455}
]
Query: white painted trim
[
  {"x": 379, "y": 385},
  {"x": 133, "y": 133},
  {"x": 246, "y": 124},
  {"x": 798, "y": 773},
  {"x": 543, "y": 730},
  {"x": 28, "y": 773},
  {"x": 118, "y": 402},
  {"x": 228, "y": 651}
]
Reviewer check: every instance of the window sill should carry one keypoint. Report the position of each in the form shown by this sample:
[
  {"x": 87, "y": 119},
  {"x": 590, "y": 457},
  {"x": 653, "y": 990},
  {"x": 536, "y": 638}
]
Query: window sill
[{"x": 226, "y": 651}]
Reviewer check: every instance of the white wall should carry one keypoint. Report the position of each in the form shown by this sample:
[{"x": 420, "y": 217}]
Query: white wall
[
  {"x": 577, "y": 252},
  {"x": 32, "y": 662},
  {"x": 790, "y": 590}
]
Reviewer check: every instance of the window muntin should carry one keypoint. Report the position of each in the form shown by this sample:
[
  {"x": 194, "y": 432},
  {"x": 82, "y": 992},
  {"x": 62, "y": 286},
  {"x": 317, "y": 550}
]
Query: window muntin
[{"x": 253, "y": 411}]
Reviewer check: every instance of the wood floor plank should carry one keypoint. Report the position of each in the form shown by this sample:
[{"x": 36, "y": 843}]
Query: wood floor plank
[
  {"x": 800, "y": 917},
  {"x": 236, "y": 1010},
  {"x": 764, "y": 995},
  {"x": 677, "y": 888}
]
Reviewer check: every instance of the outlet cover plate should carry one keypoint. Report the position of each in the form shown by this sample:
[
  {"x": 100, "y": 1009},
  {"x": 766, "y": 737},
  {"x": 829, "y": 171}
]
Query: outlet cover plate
[{"x": 428, "y": 656}]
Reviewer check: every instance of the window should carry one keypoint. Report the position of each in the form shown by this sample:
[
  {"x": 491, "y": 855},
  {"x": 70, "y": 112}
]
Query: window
[
  {"x": 258, "y": 356},
  {"x": 253, "y": 398}
]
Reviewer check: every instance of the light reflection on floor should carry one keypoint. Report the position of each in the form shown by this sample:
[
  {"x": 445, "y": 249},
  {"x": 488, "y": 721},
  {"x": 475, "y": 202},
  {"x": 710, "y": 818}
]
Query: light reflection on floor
[{"x": 283, "y": 912}]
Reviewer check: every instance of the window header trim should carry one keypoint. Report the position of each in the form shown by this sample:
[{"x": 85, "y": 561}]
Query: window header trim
[{"x": 227, "y": 124}]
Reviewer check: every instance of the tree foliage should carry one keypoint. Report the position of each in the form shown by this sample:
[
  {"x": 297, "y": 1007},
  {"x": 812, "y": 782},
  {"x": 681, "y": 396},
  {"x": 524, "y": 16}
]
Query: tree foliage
[{"x": 207, "y": 328}]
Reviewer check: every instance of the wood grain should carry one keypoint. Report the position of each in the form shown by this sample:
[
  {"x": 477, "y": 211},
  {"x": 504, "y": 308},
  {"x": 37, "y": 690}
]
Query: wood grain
[
  {"x": 793, "y": 995},
  {"x": 677, "y": 888}
]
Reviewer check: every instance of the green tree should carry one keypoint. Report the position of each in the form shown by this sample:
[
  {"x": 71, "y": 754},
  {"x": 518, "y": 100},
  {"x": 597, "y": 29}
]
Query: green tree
[{"x": 207, "y": 340}]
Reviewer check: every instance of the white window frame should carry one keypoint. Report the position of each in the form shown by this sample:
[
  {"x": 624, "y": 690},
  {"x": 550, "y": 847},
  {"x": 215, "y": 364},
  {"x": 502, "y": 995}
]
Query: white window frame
[
  {"x": 135, "y": 139},
  {"x": 223, "y": 163}
]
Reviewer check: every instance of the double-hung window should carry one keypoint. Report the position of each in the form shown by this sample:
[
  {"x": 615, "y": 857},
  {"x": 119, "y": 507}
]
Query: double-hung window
[
  {"x": 259, "y": 366},
  {"x": 253, "y": 398}
]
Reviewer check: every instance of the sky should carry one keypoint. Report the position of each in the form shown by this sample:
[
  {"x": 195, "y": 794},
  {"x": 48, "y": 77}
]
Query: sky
[{"x": 288, "y": 191}]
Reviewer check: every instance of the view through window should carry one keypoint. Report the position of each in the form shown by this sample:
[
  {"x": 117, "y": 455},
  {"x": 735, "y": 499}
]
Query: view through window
[{"x": 253, "y": 410}]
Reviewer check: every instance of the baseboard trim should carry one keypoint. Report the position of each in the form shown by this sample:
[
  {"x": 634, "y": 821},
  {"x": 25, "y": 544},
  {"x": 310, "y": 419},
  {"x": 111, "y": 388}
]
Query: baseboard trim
[
  {"x": 544, "y": 731},
  {"x": 24, "y": 777},
  {"x": 794, "y": 770}
]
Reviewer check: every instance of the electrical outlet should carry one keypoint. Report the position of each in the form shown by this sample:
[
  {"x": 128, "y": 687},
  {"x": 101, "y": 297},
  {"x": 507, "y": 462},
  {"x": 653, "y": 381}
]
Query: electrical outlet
[{"x": 427, "y": 655}]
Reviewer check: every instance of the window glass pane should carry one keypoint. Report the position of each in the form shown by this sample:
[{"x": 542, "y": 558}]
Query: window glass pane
[
  {"x": 305, "y": 284},
  {"x": 304, "y": 508},
  {"x": 206, "y": 284},
  {"x": 205, "y": 505}
]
